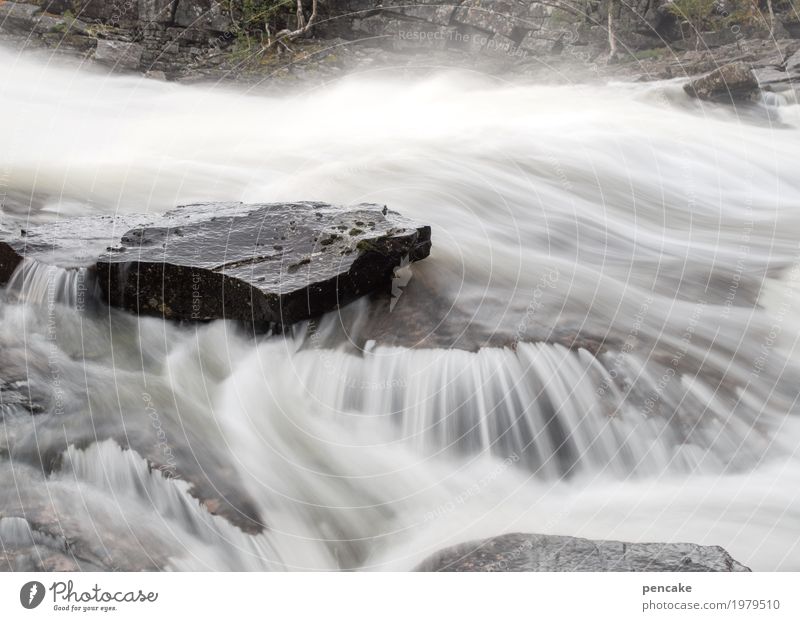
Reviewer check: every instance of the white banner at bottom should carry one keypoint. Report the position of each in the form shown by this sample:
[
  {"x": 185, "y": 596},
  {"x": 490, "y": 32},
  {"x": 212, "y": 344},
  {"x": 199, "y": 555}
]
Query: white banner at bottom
[{"x": 401, "y": 597}]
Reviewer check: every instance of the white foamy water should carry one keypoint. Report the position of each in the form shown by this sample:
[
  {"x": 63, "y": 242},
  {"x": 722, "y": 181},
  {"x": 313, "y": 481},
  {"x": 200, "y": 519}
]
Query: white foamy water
[{"x": 658, "y": 234}]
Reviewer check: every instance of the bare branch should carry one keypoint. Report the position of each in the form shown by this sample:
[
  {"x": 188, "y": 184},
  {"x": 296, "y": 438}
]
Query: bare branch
[{"x": 303, "y": 25}]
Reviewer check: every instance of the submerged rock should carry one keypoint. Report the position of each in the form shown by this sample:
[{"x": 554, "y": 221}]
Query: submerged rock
[
  {"x": 524, "y": 552},
  {"x": 19, "y": 396},
  {"x": 268, "y": 264},
  {"x": 730, "y": 83}
]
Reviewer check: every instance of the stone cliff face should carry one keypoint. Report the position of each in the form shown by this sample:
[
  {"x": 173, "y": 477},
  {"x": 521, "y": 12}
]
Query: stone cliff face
[
  {"x": 178, "y": 36},
  {"x": 523, "y": 27},
  {"x": 170, "y": 32}
]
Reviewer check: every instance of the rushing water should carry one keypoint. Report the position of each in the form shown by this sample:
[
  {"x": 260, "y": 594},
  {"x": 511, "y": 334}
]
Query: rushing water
[{"x": 621, "y": 215}]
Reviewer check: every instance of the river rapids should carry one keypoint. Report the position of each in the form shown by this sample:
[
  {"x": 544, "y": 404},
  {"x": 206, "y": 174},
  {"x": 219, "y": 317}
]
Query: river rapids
[{"x": 602, "y": 343}]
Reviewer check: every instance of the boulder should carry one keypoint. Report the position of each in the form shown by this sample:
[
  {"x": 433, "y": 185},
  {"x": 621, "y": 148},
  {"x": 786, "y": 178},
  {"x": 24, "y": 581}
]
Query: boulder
[
  {"x": 266, "y": 265},
  {"x": 525, "y": 552},
  {"x": 730, "y": 83},
  {"x": 119, "y": 54},
  {"x": 18, "y": 18}
]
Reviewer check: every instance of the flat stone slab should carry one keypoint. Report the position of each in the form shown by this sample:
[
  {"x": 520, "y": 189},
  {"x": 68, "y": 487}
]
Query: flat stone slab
[
  {"x": 526, "y": 552},
  {"x": 265, "y": 264}
]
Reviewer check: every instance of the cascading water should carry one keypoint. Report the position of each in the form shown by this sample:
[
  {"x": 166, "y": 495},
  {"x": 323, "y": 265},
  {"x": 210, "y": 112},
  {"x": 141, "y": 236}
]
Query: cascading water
[
  {"x": 602, "y": 343},
  {"x": 40, "y": 284}
]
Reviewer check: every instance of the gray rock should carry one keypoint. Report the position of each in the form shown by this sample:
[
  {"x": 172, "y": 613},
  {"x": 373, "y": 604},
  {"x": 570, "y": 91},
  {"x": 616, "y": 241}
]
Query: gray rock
[
  {"x": 263, "y": 265},
  {"x": 524, "y": 552},
  {"x": 116, "y": 13},
  {"x": 118, "y": 54},
  {"x": 730, "y": 83},
  {"x": 18, "y": 18},
  {"x": 155, "y": 11},
  {"x": 793, "y": 65},
  {"x": 537, "y": 43},
  {"x": 495, "y": 18},
  {"x": 57, "y": 7},
  {"x": 206, "y": 14},
  {"x": 771, "y": 79}
]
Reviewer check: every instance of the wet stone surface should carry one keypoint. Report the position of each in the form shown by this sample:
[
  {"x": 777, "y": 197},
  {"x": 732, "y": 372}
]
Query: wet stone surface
[{"x": 265, "y": 265}]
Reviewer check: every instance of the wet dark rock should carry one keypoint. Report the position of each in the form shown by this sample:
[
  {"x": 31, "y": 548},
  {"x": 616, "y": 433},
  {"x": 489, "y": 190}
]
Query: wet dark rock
[
  {"x": 730, "y": 83},
  {"x": 18, "y": 395},
  {"x": 525, "y": 552},
  {"x": 10, "y": 258},
  {"x": 264, "y": 265}
]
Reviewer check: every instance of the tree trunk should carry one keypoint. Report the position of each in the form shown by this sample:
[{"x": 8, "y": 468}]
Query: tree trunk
[
  {"x": 771, "y": 16},
  {"x": 612, "y": 39}
]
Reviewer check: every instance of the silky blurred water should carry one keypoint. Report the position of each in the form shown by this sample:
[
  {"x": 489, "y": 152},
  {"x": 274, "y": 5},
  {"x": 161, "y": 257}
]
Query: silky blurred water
[{"x": 601, "y": 343}]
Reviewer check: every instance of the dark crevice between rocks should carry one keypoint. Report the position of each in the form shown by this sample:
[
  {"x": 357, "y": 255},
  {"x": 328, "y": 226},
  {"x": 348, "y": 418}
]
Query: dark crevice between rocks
[{"x": 173, "y": 13}]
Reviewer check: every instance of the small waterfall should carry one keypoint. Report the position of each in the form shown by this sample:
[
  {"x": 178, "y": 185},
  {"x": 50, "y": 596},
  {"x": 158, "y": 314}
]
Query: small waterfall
[
  {"x": 196, "y": 539},
  {"x": 37, "y": 283},
  {"x": 557, "y": 411},
  {"x": 16, "y": 532}
]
